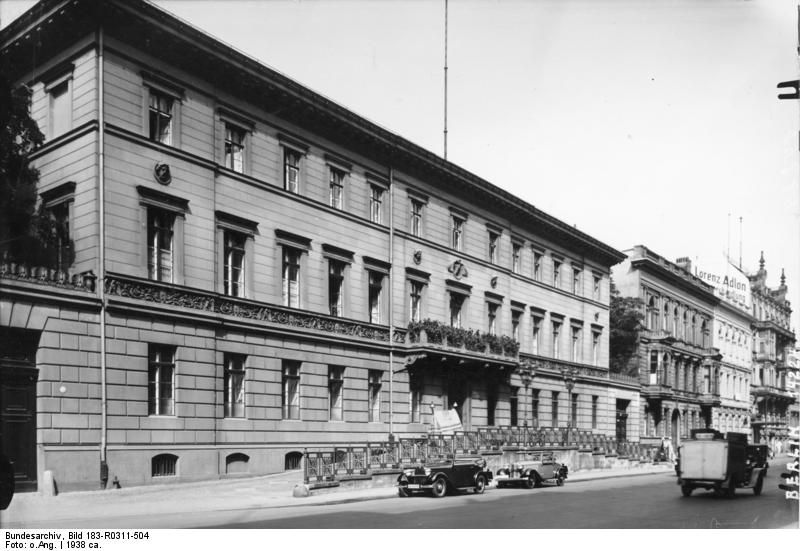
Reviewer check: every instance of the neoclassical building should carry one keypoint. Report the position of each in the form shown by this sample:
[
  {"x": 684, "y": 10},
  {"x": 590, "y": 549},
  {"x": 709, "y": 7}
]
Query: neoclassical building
[
  {"x": 679, "y": 367},
  {"x": 258, "y": 270}
]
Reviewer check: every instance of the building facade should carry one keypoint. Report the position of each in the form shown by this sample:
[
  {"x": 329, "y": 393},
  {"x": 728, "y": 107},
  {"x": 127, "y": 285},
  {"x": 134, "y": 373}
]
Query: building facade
[
  {"x": 256, "y": 270},
  {"x": 679, "y": 367}
]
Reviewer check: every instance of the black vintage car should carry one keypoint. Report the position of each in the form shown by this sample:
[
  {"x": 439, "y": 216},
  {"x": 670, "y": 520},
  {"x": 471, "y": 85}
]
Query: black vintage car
[{"x": 439, "y": 477}]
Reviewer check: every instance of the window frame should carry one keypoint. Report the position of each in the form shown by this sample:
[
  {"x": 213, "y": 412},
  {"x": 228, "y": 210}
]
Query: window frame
[
  {"x": 494, "y": 246},
  {"x": 337, "y": 178},
  {"x": 234, "y": 368},
  {"x": 536, "y": 269},
  {"x": 64, "y": 80},
  {"x": 374, "y": 395},
  {"x": 156, "y": 380},
  {"x": 555, "y": 330},
  {"x": 458, "y": 222},
  {"x": 150, "y": 200},
  {"x": 246, "y": 230},
  {"x": 336, "y": 392},
  {"x": 376, "y": 194},
  {"x": 291, "y": 404},
  {"x": 61, "y": 200},
  {"x": 516, "y": 256}
]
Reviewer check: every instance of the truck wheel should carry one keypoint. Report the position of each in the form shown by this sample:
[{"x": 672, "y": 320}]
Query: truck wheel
[
  {"x": 686, "y": 490},
  {"x": 759, "y": 485},
  {"x": 439, "y": 488},
  {"x": 480, "y": 484}
]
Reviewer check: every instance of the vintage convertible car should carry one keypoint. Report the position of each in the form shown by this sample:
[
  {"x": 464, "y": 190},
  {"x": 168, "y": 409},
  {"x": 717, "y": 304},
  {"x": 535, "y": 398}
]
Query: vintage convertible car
[
  {"x": 537, "y": 468},
  {"x": 439, "y": 477}
]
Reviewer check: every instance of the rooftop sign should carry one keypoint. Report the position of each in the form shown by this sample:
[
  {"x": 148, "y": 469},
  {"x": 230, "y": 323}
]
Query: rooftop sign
[{"x": 729, "y": 283}]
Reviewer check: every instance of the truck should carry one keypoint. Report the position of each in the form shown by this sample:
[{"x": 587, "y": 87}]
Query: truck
[{"x": 720, "y": 462}]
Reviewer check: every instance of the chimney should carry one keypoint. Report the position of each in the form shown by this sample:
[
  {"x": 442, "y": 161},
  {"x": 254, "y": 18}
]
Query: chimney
[{"x": 684, "y": 262}]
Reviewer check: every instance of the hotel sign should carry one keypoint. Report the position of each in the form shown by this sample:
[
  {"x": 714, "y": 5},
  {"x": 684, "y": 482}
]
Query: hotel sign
[{"x": 729, "y": 283}]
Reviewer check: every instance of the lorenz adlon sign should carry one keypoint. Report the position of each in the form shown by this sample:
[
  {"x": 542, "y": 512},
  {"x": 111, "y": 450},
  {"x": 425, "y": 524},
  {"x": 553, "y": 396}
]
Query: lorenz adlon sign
[{"x": 729, "y": 283}]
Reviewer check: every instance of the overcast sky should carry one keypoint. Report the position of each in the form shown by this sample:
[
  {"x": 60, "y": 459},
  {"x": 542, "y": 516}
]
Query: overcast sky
[{"x": 651, "y": 122}]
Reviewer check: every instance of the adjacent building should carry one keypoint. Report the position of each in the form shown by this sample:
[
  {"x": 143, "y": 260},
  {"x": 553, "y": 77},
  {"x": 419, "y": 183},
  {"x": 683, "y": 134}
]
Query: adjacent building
[{"x": 251, "y": 270}]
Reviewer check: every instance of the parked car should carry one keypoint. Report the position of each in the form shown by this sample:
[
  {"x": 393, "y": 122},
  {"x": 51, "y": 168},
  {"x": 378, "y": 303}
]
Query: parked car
[
  {"x": 536, "y": 469},
  {"x": 449, "y": 475}
]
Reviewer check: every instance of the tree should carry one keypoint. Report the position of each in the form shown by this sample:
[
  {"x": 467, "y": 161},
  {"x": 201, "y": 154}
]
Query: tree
[
  {"x": 626, "y": 320},
  {"x": 26, "y": 234}
]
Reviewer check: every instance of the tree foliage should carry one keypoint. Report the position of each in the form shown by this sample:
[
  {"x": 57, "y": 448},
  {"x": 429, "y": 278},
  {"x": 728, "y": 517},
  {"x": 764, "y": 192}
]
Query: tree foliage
[
  {"x": 27, "y": 234},
  {"x": 626, "y": 319}
]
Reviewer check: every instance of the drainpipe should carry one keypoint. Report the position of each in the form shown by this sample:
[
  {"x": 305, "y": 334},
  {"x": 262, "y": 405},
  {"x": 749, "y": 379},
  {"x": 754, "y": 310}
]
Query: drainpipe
[
  {"x": 391, "y": 304},
  {"x": 102, "y": 268}
]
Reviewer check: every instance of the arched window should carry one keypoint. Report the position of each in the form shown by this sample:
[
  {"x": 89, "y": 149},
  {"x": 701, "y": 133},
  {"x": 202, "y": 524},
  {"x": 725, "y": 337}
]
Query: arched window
[
  {"x": 292, "y": 461},
  {"x": 694, "y": 330},
  {"x": 652, "y": 314},
  {"x": 165, "y": 464},
  {"x": 236, "y": 463},
  {"x": 665, "y": 319}
]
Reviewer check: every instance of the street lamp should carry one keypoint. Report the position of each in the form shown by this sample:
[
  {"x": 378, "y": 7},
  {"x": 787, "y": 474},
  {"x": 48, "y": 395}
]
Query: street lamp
[{"x": 569, "y": 381}]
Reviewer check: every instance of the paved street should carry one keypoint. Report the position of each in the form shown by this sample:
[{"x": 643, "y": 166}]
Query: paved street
[{"x": 642, "y": 502}]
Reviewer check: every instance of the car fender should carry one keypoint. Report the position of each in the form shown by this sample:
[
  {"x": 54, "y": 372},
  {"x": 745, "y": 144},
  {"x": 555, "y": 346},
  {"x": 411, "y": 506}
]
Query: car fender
[{"x": 436, "y": 476}]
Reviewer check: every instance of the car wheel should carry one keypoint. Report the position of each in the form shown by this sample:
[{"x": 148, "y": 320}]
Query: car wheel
[
  {"x": 530, "y": 482},
  {"x": 537, "y": 480},
  {"x": 402, "y": 491},
  {"x": 480, "y": 484},
  {"x": 731, "y": 491},
  {"x": 560, "y": 481},
  {"x": 439, "y": 488},
  {"x": 759, "y": 485},
  {"x": 686, "y": 490}
]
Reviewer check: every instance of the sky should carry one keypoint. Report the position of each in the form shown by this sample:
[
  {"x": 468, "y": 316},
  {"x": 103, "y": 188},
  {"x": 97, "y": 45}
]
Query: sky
[{"x": 640, "y": 122}]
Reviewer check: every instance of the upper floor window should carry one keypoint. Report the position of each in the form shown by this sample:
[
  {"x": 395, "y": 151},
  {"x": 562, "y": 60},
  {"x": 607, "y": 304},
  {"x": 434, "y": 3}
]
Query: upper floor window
[
  {"x": 556, "y": 334},
  {"x": 536, "y": 344},
  {"x": 376, "y": 204},
  {"x": 494, "y": 240},
  {"x": 375, "y": 296},
  {"x": 161, "y": 380},
  {"x": 161, "y": 114},
  {"x": 375, "y": 378},
  {"x": 537, "y": 265},
  {"x": 516, "y": 257},
  {"x": 596, "y": 279},
  {"x": 516, "y": 315},
  {"x": 335, "y": 394},
  {"x": 576, "y": 344},
  {"x": 535, "y": 407},
  {"x": 290, "y": 399},
  {"x": 291, "y": 170},
  {"x": 336, "y": 270},
  {"x": 58, "y": 204},
  {"x": 554, "y": 408},
  {"x": 336, "y": 185},
  {"x": 576, "y": 280},
  {"x": 456, "y": 308},
  {"x": 492, "y": 317},
  {"x": 234, "y": 263},
  {"x": 415, "y": 303},
  {"x": 556, "y": 273},
  {"x": 60, "y": 109},
  {"x": 595, "y": 348},
  {"x": 160, "y": 244},
  {"x": 457, "y": 237},
  {"x": 234, "y": 385},
  {"x": 234, "y": 147},
  {"x": 416, "y": 217},
  {"x": 291, "y": 277}
]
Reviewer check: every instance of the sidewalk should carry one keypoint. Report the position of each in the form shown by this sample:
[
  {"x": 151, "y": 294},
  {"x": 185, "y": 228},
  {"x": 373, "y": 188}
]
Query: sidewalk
[{"x": 32, "y": 510}]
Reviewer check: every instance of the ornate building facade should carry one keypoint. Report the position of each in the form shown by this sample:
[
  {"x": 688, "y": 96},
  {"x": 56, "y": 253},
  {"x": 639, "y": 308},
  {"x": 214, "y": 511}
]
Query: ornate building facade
[{"x": 258, "y": 270}]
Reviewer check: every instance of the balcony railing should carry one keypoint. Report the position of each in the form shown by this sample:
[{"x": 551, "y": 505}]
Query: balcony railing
[{"x": 442, "y": 335}]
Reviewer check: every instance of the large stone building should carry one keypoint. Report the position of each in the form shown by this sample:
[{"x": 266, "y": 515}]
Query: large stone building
[
  {"x": 678, "y": 366},
  {"x": 258, "y": 270}
]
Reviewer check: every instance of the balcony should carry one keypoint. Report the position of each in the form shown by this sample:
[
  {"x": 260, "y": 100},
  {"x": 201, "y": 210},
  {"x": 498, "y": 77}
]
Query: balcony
[
  {"x": 709, "y": 399},
  {"x": 770, "y": 391},
  {"x": 658, "y": 392}
]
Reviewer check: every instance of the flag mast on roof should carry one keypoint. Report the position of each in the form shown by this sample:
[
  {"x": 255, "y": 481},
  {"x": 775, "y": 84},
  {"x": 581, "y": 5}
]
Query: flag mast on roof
[{"x": 445, "y": 79}]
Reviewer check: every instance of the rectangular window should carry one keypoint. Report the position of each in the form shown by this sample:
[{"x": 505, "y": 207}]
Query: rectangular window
[
  {"x": 234, "y": 386},
  {"x": 554, "y": 409},
  {"x": 159, "y": 244},
  {"x": 60, "y": 109},
  {"x": 556, "y": 274},
  {"x": 161, "y": 380},
  {"x": 576, "y": 344},
  {"x": 416, "y": 218},
  {"x": 513, "y": 402},
  {"x": 456, "y": 308},
  {"x": 291, "y": 390},
  {"x": 536, "y": 344},
  {"x": 596, "y": 279},
  {"x": 337, "y": 188},
  {"x": 336, "y": 287},
  {"x": 491, "y": 404},
  {"x": 376, "y": 204},
  {"x": 335, "y": 399},
  {"x": 516, "y": 315},
  {"x": 291, "y": 277},
  {"x": 416, "y": 398},
  {"x": 234, "y": 148},
  {"x": 594, "y": 412},
  {"x": 516, "y": 257},
  {"x": 556, "y": 334},
  {"x": 415, "y": 304},
  {"x": 535, "y": 407},
  {"x": 375, "y": 377},
  {"x": 595, "y": 348},
  {"x": 375, "y": 292},
  {"x": 537, "y": 265},
  {"x": 491, "y": 309},
  {"x": 494, "y": 239},
  {"x": 234, "y": 263},
  {"x": 457, "y": 238},
  {"x": 161, "y": 114},
  {"x": 574, "y": 411},
  {"x": 59, "y": 220},
  {"x": 291, "y": 170},
  {"x": 576, "y": 281}
]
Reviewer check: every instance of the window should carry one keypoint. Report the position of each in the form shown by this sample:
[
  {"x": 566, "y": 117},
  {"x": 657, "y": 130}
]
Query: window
[
  {"x": 596, "y": 279},
  {"x": 291, "y": 390},
  {"x": 416, "y": 217},
  {"x": 415, "y": 303},
  {"x": 537, "y": 335},
  {"x": 375, "y": 377},
  {"x": 574, "y": 411},
  {"x": 457, "y": 238},
  {"x": 537, "y": 265},
  {"x": 160, "y": 116},
  {"x": 375, "y": 292},
  {"x": 535, "y": 407},
  {"x": 575, "y": 356},
  {"x": 556, "y": 333},
  {"x": 576, "y": 281},
  {"x": 415, "y": 395},
  {"x": 161, "y": 380},
  {"x": 554, "y": 409},
  {"x": 57, "y": 204},
  {"x": 491, "y": 404},
  {"x": 492, "y": 318},
  {"x": 516, "y": 257},
  {"x": 494, "y": 239},
  {"x": 336, "y": 287},
  {"x": 456, "y": 308},
  {"x": 594, "y": 412},
  {"x": 234, "y": 269},
  {"x": 335, "y": 399},
  {"x": 234, "y": 148},
  {"x": 516, "y": 315},
  {"x": 159, "y": 244},
  {"x": 291, "y": 277},
  {"x": 60, "y": 108},
  {"x": 513, "y": 402},
  {"x": 376, "y": 204},
  {"x": 556, "y": 273},
  {"x": 291, "y": 170},
  {"x": 165, "y": 464},
  {"x": 234, "y": 386},
  {"x": 336, "y": 188},
  {"x": 595, "y": 348}
]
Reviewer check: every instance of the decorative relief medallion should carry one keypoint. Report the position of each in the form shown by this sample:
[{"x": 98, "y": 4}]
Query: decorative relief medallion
[
  {"x": 458, "y": 270},
  {"x": 493, "y": 282},
  {"x": 417, "y": 257},
  {"x": 162, "y": 173}
]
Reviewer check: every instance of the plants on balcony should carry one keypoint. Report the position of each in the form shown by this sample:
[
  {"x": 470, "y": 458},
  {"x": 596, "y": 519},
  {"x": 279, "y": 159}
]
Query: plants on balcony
[{"x": 472, "y": 340}]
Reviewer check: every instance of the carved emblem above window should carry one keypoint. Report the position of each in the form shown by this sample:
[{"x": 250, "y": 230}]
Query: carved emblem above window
[
  {"x": 417, "y": 257},
  {"x": 493, "y": 282},
  {"x": 458, "y": 269},
  {"x": 162, "y": 173}
]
